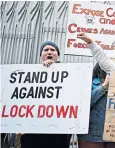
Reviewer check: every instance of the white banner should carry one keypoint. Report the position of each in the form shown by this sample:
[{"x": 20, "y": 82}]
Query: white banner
[
  {"x": 95, "y": 19},
  {"x": 37, "y": 99}
]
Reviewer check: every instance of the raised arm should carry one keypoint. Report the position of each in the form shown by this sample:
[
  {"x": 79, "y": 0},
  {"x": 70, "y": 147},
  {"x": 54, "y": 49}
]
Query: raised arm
[{"x": 104, "y": 61}]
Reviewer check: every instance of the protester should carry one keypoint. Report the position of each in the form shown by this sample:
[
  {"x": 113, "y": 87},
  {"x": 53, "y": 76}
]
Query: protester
[
  {"x": 94, "y": 138},
  {"x": 49, "y": 53}
]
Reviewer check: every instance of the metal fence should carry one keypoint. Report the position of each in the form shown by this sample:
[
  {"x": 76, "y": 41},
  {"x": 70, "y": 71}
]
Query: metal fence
[{"x": 25, "y": 25}]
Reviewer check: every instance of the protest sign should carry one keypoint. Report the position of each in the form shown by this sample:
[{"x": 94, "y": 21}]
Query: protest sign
[
  {"x": 109, "y": 128},
  {"x": 95, "y": 19},
  {"x": 39, "y": 99}
]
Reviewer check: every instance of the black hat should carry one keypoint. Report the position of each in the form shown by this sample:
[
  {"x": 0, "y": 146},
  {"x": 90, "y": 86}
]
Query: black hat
[{"x": 49, "y": 43}]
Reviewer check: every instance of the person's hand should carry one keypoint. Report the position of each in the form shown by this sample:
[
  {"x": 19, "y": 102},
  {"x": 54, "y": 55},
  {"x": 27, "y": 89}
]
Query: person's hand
[
  {"x": 106, "y": 82},
  {"x": 85, "y": 38},
  {"x": 47, "y": 63}
]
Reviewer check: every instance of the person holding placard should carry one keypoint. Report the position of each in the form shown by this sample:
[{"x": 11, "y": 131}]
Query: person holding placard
[
  {"x": 94, "y": 138},
  {"x": 49, "y": 53}
]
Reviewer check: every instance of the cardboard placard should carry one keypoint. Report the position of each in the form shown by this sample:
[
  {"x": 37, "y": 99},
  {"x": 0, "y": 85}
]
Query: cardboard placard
[{"x": 109, "y": 128}]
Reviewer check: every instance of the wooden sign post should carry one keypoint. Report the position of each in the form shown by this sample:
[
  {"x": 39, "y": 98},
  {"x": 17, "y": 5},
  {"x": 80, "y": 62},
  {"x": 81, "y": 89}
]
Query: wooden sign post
[{"x": 109, "y": 128}]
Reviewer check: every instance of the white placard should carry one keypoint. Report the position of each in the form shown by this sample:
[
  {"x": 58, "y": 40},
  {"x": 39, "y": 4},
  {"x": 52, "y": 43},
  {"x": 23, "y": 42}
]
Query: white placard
[
  {"x": 95, "y": 19},
  {"x": 37, "y": 99}
]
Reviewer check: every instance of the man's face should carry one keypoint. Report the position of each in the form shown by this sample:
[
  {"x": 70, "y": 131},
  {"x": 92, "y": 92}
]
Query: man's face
[{"x": 49, "y": 53}]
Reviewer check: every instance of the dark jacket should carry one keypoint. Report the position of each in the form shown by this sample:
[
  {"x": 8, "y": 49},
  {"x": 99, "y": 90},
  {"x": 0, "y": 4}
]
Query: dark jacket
[{"x": 45, "y": 141}]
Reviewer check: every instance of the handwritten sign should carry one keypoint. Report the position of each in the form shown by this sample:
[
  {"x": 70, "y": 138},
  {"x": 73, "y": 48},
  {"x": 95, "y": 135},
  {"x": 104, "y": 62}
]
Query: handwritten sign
[
  {"x": 96, "y": 20},
  {"x": 37, "y": 99},
  {"x": 109, "y": 129}
]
